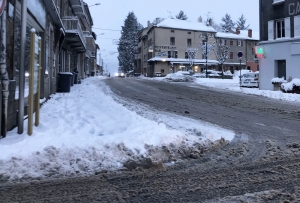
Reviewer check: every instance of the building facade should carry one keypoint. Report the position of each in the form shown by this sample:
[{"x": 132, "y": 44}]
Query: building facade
[
  {"x": 163, "y": 47},
  {"x": 67, "y": 44},
  {"x": 239, "y": 41},
  {"x": 279, "y": 41}
]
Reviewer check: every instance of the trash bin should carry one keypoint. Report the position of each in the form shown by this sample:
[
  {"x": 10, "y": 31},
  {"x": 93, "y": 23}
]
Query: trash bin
[
  {"x": 92, "y": 73},
  {"x": 64, "y": 84}
]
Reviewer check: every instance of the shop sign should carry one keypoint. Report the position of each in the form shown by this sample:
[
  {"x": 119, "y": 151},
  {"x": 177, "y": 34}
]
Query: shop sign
[
  {"x": 259, "y": 52},
  {"x": 166, "y": 47}
]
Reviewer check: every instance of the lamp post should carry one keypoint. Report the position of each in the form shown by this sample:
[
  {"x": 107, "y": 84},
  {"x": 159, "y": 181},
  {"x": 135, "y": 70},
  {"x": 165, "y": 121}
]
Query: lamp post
[
  {"x": 96, "y": 4},
  {"x": 240, "y": 55},
  {"x": 206, "y": 49}
]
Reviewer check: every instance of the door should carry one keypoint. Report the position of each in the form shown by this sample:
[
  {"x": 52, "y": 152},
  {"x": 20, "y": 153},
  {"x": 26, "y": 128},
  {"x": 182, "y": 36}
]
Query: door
[{"x": 281, "y": 69}]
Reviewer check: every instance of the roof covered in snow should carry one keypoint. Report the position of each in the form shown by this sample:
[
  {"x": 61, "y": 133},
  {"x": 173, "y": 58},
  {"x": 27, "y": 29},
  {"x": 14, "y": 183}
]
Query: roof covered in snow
[
  {"x": 185, "y": 25},
  {"x": 243, "y": 35}
]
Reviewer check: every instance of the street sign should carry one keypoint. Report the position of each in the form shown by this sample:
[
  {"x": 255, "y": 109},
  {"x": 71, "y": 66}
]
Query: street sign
[
  {"x": 2, "y": 5},
  {"x": 240, "y": 54}
]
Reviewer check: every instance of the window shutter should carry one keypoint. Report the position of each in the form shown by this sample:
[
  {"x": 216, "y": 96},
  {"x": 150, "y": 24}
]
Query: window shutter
[
  {"x": 169, "y": 54},
  {"x": 242, "y": 43},
  {"x": 175, "y": 54},
  {"x": 287, "y": 27},
  {"x": 271, "y": 30},
  {"x": 237, "y": 43},
  {"x": 296, "y": 26}
]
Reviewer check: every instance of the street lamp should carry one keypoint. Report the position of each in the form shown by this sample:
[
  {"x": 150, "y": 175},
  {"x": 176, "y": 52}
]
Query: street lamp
[
  {"x": 96, "y": 4},
  {"x": 207, "y": 48},
  {"x": 240, "y": 55}
]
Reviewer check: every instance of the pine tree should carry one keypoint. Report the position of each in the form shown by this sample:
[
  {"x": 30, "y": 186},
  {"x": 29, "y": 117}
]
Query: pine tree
[
  {"x": 181, "y": 16},
  {"x": 241, "y": 22},
  {"x": 228, "y": 24},
  {"x": 128, "y": 42}
]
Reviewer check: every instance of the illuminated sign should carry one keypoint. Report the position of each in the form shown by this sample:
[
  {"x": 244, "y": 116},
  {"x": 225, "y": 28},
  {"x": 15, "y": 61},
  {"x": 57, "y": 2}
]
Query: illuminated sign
[{"x": 259, "y": 52}]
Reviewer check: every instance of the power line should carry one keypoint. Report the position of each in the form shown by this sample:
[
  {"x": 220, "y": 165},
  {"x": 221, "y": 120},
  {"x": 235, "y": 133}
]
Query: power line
[{"x": 105, "y": 29}]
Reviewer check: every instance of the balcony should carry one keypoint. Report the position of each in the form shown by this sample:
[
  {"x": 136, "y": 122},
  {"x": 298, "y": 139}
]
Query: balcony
[
  {"x": 90, "y": 43},
  {"x": 88, "y": 54},
  {"x": 74, "y": 34},
  {"x": 54, "y": 12},
  {"x": 78, "y": 7}
]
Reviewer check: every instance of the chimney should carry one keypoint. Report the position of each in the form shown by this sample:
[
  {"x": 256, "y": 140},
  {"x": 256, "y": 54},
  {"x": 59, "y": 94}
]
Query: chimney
[
  {"x": 157, "y": 20},
  {"x": 238, "y": 31},
  {"x": 250, "y": 33},
  {"x": 148, "y": 23}
]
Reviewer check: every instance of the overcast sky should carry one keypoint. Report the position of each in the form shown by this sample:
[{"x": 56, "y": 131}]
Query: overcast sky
[{"x": 110, "y": 16}]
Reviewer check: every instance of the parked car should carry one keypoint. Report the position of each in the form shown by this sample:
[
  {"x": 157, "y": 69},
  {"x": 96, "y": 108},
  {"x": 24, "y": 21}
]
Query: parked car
[
  {"x": 250, "y": 80},
  {"x": 120, "y": 74}
]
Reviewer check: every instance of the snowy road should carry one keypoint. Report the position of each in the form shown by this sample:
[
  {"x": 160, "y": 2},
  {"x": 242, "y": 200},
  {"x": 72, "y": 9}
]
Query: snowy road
[
  {"x": 261, "y": 160},
  {"x": 255, "y": 119}
]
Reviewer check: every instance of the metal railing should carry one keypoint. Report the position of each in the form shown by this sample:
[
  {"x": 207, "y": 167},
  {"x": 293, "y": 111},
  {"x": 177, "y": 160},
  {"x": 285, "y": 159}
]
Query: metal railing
[{"x": 72, "y": 25}]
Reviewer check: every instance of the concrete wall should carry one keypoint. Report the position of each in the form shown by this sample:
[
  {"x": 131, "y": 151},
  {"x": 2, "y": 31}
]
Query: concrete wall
[{"x": 268, "y": 64}]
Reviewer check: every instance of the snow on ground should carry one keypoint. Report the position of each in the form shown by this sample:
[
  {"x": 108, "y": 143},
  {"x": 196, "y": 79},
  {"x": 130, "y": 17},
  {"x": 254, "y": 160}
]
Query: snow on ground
[
  {"x": 230, "y": 85},
  {"x": 86, "y": 131}
]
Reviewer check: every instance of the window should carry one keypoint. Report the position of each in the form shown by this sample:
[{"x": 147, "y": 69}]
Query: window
[
  {"x": 172, "y": 40},
  {"x": 189, "y": 33},
  {"x": 231, "y": 55},
  {"x": 239, "y": 43},
  {"x": 172, "y": 30},
  {"x": 223, "y": 41},
  {"x": 189, "y": 42},
  {"x": 279, "y": 29},
  {"x": 172, "y": 54},
  {"x": 149, "y": 55},
  {"x": 186, "y": 55},
  {"x": 231, "y": 42}
]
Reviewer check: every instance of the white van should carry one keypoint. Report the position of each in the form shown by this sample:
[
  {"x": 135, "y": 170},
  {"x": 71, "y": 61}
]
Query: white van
[{"x": 250, "y": 80}]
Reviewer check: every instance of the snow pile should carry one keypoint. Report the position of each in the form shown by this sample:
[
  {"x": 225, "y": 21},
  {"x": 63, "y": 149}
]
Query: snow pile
[
  {"x": 180, "y": 76},
  {"x": 291, "y": 85},
  {"x": 86, "y": 131},
  {"x": 278, "y": 80}
]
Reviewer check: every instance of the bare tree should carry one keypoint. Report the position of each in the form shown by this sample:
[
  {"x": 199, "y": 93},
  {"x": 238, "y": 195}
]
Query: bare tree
[
  {"x": 190, "y": 55},
  {"x": 222, "y": 54}
]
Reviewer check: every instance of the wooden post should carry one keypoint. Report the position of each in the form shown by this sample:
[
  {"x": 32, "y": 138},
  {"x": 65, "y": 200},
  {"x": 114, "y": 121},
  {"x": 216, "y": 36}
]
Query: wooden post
[{"x": 31, "y": 82}]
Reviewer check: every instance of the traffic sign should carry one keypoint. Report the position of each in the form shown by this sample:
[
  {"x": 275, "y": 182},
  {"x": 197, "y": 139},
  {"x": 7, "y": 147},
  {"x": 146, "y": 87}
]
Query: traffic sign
[{"x": 240, "y": 54}]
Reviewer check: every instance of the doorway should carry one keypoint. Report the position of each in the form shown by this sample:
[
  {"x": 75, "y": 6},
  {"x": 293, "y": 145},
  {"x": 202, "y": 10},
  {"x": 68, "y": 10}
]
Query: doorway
[{"x": 281, "y": 69}]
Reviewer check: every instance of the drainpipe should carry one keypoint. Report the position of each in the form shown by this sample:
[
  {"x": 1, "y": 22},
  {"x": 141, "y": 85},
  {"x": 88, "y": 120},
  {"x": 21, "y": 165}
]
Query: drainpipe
[
  {"x": 4, "y": 75},
  {"x": 22, "y": 69}
]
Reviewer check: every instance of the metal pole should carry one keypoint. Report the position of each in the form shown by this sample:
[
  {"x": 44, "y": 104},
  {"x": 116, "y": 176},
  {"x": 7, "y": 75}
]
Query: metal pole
[
  {"x": 206, "y": 39},
  {"x": 240, "y": 72},
  {"x": 22, "y": 69}
]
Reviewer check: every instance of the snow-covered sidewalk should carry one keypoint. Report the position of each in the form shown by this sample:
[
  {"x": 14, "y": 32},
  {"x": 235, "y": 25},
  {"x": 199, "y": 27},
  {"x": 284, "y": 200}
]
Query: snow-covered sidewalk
[{"x": 86, "y": 131}]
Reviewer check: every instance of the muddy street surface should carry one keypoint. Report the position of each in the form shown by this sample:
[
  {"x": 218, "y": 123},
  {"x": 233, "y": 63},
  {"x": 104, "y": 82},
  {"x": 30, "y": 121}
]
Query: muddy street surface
[{"x": 261, "y": 164}]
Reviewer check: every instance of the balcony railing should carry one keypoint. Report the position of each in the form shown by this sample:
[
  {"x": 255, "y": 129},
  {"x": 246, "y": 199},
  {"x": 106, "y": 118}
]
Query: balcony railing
[
  {"x": 54, "y": 12},
  {"x": 72, "y": 25},
  {"x": 88, "y": 53}
]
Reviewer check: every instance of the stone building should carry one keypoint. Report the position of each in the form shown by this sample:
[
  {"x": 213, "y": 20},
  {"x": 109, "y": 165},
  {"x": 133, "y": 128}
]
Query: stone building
[
  {"x": 67, "y": 43},
  {"x": 164, "y": 47}
]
